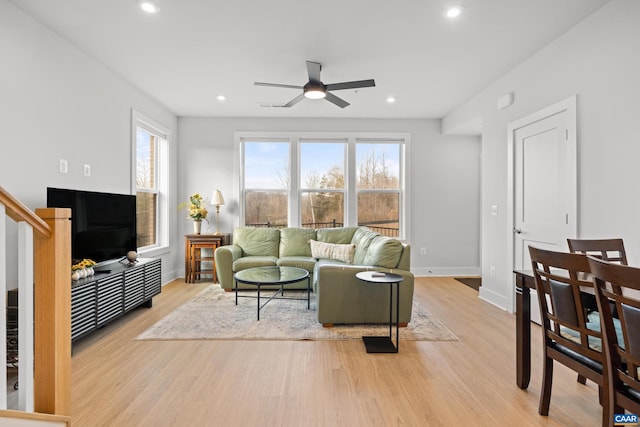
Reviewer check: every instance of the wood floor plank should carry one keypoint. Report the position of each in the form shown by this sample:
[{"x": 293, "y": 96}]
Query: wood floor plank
[{"x": 118, "y": 381}]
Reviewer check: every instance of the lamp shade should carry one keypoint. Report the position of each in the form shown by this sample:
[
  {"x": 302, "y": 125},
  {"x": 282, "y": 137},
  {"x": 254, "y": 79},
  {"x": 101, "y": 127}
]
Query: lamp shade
[{"x": 217, "y": 199}]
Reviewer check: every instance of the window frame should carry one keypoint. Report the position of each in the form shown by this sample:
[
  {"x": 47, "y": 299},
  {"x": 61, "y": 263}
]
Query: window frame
[
  {"x": 350, "y": 191},
  {"x": 163, "y": 138}
]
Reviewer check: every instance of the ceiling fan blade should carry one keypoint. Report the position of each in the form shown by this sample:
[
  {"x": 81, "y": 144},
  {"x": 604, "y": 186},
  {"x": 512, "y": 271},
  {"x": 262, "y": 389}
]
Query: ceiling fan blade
[
  {"x": 277, "y": 85},
  {"x": 338, "y": 101},
  {"x": 294, "y": 101},
  {"x": 351, "y": 85},
  {"x": 313, "y": 68}
]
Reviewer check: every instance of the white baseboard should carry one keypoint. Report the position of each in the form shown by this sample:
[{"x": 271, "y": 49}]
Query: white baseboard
[
  {"x": 169, "y": 277},
  {"x": 446, "y": 271},
  {"x": 493, "y": 298}
]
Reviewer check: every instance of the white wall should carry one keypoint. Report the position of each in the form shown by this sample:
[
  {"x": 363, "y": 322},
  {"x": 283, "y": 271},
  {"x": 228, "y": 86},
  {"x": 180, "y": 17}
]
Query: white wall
[
  {"x": 58, "y": 103},
  {"x": 598, "y": 60},
  {"x": 444, "y": 181}
]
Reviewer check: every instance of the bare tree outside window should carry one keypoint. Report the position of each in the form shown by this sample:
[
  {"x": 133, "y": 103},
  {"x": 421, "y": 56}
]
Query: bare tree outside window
[
  {"x": 146, "y": 188},
  {"x": 321, "y": 184},
  {"x": 322, "y": 190},
  {"x": 266, "y": 176},
  {"x": 378, "y": 184}
]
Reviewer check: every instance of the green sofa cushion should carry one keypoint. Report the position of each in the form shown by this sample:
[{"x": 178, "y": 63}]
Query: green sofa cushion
[
  {"x": 295, "y": 241},
  {"x": 335, "y": 251},
  {"x": 341, "y": 235},
  {"x": 253, "y": 261},
  {"x": 306, "y": 263},
  {"x": 384, "y": 252},
  {"x": 257, "y": 241},
  {"x": 362, "y": 238}
]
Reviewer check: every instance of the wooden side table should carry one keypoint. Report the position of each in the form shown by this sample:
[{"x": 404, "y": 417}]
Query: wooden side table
[{"x": 193, "y": 258}]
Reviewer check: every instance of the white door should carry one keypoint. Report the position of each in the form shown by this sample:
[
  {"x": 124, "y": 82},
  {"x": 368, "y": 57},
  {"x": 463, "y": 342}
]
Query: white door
[{"x": 544, "y": 182}]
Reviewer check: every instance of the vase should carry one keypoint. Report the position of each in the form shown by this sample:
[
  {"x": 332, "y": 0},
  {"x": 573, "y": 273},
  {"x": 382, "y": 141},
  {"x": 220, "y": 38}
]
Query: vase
[{"x": 197, "y": 226}]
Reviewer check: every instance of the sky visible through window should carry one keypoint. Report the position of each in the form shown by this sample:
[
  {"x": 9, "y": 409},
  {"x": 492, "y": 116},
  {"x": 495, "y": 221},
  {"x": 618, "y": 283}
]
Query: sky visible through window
[
  {"x": 143, "y": 142},
  {"x": 143, "y": 159},
  {"x": 267, "y": 163}
]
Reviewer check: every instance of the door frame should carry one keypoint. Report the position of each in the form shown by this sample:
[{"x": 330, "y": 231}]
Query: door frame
[{"x": 569, "y": 106}]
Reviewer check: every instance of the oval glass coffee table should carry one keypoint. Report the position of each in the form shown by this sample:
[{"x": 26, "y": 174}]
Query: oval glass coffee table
[
  {"x": 378, "y": 344},
  {"x": 262, "y": 276}
]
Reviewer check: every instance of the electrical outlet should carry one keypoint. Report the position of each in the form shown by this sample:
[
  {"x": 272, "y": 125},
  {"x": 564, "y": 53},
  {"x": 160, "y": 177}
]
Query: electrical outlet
[
  {"x": 64, "y": 167},
  {"x": 423, "y": 251},
  {"x": 493, "y": 271}
]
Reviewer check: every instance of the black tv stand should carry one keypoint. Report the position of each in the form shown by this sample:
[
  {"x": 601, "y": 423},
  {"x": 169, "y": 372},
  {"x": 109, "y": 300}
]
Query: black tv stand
[{"x": 112, "y": 292}]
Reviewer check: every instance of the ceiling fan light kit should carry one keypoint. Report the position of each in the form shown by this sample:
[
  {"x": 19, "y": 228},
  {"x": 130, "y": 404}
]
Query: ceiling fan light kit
[{"x": 315, "y": 89}]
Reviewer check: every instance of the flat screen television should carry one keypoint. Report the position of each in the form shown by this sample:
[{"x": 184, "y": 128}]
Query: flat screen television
[{"x": 103, "y": 225}]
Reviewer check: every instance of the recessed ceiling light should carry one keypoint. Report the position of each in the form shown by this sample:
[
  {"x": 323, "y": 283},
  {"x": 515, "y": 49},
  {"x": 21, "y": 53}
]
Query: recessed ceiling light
[
  {"x": 148, "y": 7},
  {"x": 221, "y": 97},
  {"x": 391, "y": 100},
  {"x": 453, "y": 11}
]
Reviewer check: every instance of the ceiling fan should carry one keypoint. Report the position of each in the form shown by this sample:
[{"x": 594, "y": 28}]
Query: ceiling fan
[{"x": 315, "y": 89}]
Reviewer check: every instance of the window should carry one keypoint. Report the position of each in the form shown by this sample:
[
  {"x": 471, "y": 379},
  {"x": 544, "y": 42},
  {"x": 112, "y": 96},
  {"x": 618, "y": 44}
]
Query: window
[
  {"x": 266, "y": 184},
  {"x": 322, "y": 184},
  {"x": 150, "y": 170},
  {"x": 324, "y": 180},
  {"x": 378, "y": 186}
]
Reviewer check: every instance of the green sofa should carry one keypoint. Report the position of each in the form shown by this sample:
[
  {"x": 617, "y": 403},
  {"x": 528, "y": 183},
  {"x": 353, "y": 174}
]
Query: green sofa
[{"x": 339, "y": 254}]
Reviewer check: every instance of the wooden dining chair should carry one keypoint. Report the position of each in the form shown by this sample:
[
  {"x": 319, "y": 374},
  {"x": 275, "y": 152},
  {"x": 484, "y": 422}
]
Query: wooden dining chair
[
  {"x": 566, "y": 330},
  {"x": 611, "y": 250},
  {"x": 619, "y": 286}
]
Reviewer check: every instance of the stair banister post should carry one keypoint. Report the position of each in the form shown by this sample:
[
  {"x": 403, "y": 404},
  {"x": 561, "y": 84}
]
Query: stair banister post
[{"x": 52, "y": 298}]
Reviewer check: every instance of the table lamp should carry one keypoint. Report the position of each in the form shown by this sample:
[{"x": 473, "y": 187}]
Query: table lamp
[{"x": 217, "y": 200}]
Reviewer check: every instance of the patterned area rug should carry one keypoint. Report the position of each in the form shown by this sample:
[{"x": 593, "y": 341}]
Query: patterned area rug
[{"x": 213, "y": 315}]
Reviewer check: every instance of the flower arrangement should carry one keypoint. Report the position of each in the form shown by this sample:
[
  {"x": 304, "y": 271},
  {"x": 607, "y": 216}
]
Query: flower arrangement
[
  {"x": 82, "y": 268},
  {"x": 196, "y": 206},
  {"x": 81, "y": 264}
]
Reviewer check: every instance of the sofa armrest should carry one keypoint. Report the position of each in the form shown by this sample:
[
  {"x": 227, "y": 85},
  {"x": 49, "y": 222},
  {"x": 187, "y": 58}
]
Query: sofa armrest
[
  {"x": 343, "y": 298},
  {"x": 225, "y": 256}
]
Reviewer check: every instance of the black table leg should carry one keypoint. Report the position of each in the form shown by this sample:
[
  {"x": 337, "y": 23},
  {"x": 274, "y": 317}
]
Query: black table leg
[
  {"x": 378, "y": 344},
  {"x": 397, "y": 317},
  {"x": 258, "y": 301}
]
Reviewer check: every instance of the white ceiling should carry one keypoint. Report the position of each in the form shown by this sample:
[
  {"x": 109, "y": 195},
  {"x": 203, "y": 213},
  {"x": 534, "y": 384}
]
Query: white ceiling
[{"x": 193, "y": 50}]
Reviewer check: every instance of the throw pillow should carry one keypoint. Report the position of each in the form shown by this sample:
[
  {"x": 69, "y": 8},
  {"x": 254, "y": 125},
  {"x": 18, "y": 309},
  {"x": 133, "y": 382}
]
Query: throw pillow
[{"x": 334, "y": 251}]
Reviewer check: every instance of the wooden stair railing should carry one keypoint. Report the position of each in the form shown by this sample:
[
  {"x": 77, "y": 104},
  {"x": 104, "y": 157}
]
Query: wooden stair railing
[{"x": 52, "y": 302}]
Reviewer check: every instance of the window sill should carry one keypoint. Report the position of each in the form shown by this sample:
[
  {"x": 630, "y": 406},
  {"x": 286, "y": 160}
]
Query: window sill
[{"x": 153, "y": 252}]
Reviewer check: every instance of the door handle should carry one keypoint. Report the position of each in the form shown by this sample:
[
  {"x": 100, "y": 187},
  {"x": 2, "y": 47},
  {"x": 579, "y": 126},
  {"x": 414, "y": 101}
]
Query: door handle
[{"x": 517, "y": 230}]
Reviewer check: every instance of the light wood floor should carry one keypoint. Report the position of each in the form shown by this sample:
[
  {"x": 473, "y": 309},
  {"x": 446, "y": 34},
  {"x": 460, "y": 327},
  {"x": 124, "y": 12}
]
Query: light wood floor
[{"x": 121, "y": 382}]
